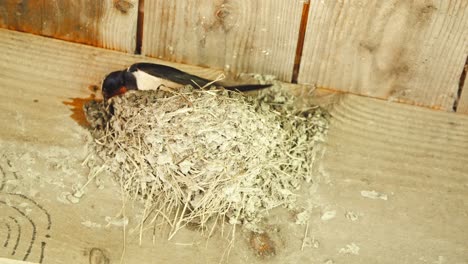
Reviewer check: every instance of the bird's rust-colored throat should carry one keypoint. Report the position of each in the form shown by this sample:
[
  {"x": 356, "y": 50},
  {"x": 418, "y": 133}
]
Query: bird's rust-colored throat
[{"x": 76, "y": 105}]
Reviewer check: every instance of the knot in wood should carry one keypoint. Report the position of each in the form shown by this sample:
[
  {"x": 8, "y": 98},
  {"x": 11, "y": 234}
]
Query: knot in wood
[
  {"x": 225, "y": 16},
  {"x": 123, "y": 6}
]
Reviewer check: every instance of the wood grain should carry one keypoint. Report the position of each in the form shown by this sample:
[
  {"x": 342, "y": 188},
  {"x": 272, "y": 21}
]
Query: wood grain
[
  {"x": 109, "y": 24},
  {"x": 11, "y": 261},
  {"x": 416, "y": 156},
  {"x": 409, "y": 51},
  {"x": 237, "y": 36}
]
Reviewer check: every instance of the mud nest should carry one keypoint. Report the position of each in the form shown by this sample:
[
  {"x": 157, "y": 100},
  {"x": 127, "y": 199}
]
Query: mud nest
[{"x": 205, "y": 156}]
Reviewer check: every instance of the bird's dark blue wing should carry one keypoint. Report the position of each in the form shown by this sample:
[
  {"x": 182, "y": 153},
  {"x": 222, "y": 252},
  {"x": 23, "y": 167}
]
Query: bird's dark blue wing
[
  {"x": 178, "y": 76},
  {"x": 169, "y": 73}
]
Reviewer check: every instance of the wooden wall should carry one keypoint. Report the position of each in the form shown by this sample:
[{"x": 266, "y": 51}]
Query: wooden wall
[
  {"x": 411, "y": 51},
  {"x": 238, "y": 36},
  {"x": 109, "y": 24}
]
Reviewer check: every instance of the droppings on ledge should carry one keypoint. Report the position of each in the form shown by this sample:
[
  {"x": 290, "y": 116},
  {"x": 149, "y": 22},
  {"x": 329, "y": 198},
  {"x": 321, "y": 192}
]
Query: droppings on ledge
[{"x": 262, "y": 245}]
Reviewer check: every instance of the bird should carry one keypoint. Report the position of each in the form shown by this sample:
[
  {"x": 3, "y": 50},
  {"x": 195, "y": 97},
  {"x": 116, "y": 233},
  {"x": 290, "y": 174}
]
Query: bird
[{"x": 150, "y": 76}]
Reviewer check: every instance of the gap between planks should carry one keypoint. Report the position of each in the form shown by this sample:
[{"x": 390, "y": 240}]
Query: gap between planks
[
  {"x": 461, "y": 103},
  {"x": 300, "y": 41},
  {"x": 140, "y": 23}
]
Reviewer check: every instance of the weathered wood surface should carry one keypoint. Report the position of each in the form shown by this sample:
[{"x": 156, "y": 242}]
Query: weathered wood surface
[
  {"x": 12, "y": 261},
  {"x": 109, "y": 24},
  {"x": 409, "y": 51},
  {"x": 417, "y": 157},
  {"x": 237, "y": 36}
]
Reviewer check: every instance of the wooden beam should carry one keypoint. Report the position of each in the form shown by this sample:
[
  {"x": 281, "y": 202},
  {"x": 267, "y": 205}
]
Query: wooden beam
[
  {"x": 397, "y": 178},
  {"x": 407, "y": 51},
  {"x": 414, "y": 157},
  {"x": 237, "y": 36},
  {"x": 109, "y": 24}
]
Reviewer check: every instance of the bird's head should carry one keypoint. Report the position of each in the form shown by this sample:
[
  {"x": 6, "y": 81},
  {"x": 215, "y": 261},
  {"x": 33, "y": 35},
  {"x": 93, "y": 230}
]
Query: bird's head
[{"x": 116, "y": 83}]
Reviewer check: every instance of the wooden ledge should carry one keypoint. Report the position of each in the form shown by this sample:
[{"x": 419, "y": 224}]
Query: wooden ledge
[{"x": 395, "y": 176}]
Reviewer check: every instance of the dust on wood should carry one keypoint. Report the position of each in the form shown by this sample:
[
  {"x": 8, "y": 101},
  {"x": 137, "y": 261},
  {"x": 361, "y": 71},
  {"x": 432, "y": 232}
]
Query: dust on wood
[
  {"x": 410, "y": 159},
  {"x": 237, "y": 36},
  {"x": 406, "y": 51}
]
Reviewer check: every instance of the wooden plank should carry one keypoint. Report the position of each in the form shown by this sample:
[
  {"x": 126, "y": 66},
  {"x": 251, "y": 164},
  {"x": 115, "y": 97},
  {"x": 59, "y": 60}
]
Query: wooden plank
[
  {"x": 408, "y": 51},
  {"x": 109, "y": 24},
  {"x": 463, "y": 102},
  {"x": 416, "y": 159},
  {"x": 237, "y": 36},
  {"x": 12, "y": 261},
  {"x": 416, "y": 156}
]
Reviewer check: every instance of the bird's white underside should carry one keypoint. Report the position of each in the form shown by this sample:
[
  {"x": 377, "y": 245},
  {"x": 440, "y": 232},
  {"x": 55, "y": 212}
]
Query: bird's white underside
[{"x": 147, "y": 81}]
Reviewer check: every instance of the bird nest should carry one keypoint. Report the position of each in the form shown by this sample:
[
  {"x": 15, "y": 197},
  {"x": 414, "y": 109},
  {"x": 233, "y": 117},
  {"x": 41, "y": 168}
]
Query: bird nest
[{"x": 205, "y": 156}]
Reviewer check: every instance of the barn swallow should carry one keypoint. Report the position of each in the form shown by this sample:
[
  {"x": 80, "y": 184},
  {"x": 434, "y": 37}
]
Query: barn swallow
[{"x": 150, "y": 76}]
